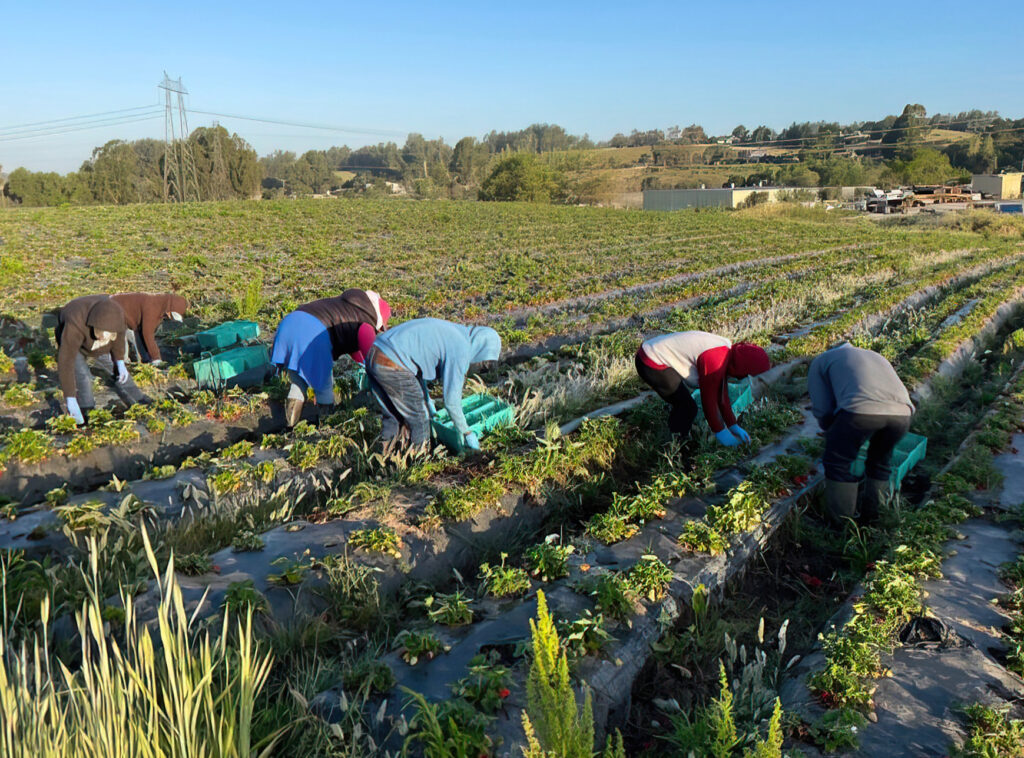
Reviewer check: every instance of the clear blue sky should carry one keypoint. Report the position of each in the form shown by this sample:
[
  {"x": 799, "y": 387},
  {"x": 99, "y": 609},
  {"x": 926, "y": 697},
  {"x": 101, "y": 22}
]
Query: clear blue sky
[{"x": 452, "y": 69}]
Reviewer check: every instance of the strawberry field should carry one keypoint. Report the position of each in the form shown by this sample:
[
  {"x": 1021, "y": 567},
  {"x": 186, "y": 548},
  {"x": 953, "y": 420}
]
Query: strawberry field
[{"x": 339, "y": 600}]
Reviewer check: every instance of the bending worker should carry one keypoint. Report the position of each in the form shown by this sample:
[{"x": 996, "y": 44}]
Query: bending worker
[
  {"x": 856, "y": 396},
  {"x": 311, "y": 338},
  {"x": 423, "y": 350},
  {"x": 676, "y": 364},
  {"x": 143, "y": 314},
  {"x": 92, "y": 327}
]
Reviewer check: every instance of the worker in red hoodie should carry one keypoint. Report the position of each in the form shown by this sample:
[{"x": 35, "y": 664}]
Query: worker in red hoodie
[
  {"x": 143, "y": 314},
  {"x": 311, "y": 338},
  {"x": 676, "y": 364}
]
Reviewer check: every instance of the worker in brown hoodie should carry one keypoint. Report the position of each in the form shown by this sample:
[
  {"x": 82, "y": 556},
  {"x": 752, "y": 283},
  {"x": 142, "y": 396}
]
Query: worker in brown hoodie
[
  {"x": 92, "y": 327},
  {"x": 143, "y": 314}
]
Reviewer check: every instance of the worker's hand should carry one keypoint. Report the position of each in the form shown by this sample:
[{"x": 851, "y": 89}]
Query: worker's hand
[
  {"x": 157, "y": 363},
  {"x": 122, "y": 373},
  {"x": 431, "y": 407},
  {"x": 740, "y": 432},
  {"x": 472, "y": 441},
  {"x": 74, "y": 411},
  {"x": 727, "y": 438}
]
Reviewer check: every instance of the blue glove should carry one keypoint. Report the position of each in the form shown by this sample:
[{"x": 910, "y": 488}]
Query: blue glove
[
  {"x": 726, "y": 438},
  {"x": 740, "y": 432},
  {"x": 472, "y": 441}
]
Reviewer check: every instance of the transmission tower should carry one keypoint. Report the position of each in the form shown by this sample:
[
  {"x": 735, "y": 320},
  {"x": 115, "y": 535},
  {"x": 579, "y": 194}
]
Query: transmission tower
[{"x": 181, "y": 183}]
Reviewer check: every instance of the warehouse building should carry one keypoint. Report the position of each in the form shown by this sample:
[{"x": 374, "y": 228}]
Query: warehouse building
[
  {"x": 999, "y": 186},
  {"x": 727, "y": 197}
]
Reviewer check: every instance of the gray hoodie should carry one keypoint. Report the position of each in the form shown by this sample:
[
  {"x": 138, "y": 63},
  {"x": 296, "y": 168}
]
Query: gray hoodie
[{"x": 848, "y": 378}]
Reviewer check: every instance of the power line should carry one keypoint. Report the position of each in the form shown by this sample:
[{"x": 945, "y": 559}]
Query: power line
[
  {"x": 887, "y": 130},
  {"x": 79, "y": 128},
  {"x": 18, "y": 127},
  {"x": 324, "y": 127}
]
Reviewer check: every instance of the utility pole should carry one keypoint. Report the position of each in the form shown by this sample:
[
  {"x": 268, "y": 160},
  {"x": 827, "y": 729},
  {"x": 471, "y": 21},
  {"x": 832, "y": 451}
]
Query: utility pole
[{"x": 181, "y": 183}]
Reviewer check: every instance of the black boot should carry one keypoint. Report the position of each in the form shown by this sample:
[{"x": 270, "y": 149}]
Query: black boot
[
  {"x": 876, "y": 493},
  {"x": 841, "y": 501},
  {"x": 323, "y": 411}
]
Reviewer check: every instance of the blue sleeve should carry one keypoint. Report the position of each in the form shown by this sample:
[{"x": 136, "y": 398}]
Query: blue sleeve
[
  {"x": 823, "y": 401},
  {"x": 456, "y": 365}
]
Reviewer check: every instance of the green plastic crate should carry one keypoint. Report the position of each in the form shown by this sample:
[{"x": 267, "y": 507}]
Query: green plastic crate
[
  {"x": 227, "y": 334},
  {"x": 741, "y": 395},
  {"x": 908, "y": 453},
  {"x": 483, "y": 413},
  {"x": 216, "y": 371}
]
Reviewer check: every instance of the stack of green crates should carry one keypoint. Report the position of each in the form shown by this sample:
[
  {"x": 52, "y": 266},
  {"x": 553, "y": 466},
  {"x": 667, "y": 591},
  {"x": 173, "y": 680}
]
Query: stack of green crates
[
  {"x": 908, "y": 453},
  {"x": 483, "y": 413},
  {"x": 741, "y": 395},
  {"x": 215, "y": 371},
  {"x": 227, "y": 334}
]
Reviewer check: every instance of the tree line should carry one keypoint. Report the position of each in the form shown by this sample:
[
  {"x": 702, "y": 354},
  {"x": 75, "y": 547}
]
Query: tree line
[
  {"x": 542, "y": 162},
  {"x": 121, "y": 172}
]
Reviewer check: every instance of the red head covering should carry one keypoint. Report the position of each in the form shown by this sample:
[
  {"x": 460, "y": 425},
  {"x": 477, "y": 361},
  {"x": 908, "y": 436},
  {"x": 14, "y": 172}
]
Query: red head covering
[
  {"x": 385, "y": 311},
  {"x": 746, "y": 359}
]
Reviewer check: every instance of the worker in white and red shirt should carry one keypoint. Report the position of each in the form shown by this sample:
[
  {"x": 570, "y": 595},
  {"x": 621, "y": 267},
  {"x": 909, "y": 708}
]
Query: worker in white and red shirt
[{"x": 676, "y": 364}]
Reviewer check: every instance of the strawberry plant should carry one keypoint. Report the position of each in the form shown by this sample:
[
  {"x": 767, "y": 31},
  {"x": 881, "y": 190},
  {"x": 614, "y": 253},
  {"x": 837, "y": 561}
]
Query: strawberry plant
[
  {"x": 18, "y": 396},
  {"x": 242, "y": 596},
  {"x": 548, "y": 561},
  {"x": 649, "y": 578},
  {"x": 451, "y": 610},
  {"x": 383, "y": 540},
  {"x": 504, "y": 581},
  {"x": 193, "y": 564},
  {"x": 415, "y": 646}
]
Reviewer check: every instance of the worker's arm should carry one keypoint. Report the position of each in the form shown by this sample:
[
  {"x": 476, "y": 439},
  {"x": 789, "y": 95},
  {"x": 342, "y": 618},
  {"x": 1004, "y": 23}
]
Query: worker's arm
[
  {"x": 454, "y": 379},
  {"x": 713, "y": 385},
  {"x": 117, "y": 347},
  {"x": 364, "y": 339},
  {"x": 823, "y": 400},
  {"x": 68, "y": 345}
]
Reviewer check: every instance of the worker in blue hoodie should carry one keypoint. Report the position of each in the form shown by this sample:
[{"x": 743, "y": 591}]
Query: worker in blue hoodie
[{"x": 406, "y": 357}]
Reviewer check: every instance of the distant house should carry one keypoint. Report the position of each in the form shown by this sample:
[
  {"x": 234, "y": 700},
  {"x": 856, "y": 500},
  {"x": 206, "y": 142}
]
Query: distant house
[
  {"x": 726, "y": 197},
  {"x": 999, "y": 186}
]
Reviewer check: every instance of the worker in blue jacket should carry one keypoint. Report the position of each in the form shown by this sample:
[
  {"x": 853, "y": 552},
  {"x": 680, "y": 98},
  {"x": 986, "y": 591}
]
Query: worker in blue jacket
[{"x": 406, "y": 357}]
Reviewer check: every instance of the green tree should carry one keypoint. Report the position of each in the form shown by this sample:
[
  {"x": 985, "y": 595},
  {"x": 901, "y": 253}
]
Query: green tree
[
  {"x": 521, "y": 176},
  {"x": 112, "y": 173},
  {"x": 469, "y": 161},
  {"x": 927, "y": 166}
]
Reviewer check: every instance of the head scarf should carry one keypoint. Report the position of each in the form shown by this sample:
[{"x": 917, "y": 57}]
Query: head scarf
[
  {"x": 381, "y": 308},
  {"x": 746, "y": 359}
]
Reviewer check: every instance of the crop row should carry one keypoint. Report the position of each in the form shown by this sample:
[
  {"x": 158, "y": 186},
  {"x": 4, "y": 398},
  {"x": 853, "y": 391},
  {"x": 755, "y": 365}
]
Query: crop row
[{"x": 441, "y": 258}]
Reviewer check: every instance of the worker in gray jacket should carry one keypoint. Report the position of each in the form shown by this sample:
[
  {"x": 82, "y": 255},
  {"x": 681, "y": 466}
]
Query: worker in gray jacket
[{"x": 857, "y": 396}]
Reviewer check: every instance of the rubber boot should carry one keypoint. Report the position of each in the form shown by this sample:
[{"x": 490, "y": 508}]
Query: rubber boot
[
  {"x": 292, "y": 411},
  {"x": 841, "y": 500},
  {"x": 876, "y": 492},
  {"x": 324, "y": 410}
]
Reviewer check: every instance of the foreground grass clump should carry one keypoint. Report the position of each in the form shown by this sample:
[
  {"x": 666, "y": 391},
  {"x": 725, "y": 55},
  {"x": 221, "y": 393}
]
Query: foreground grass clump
[
  {"x": 195, "y": 697},
  {"x": 992, "y": 734}
]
